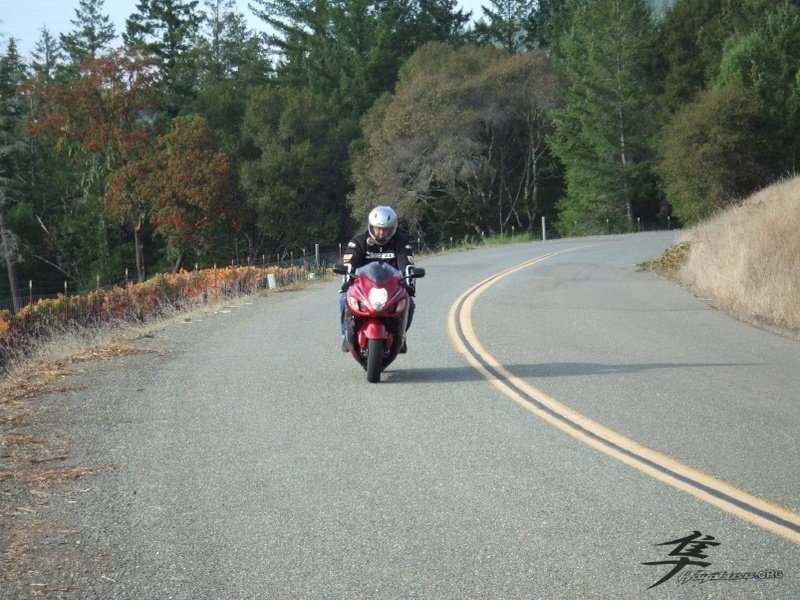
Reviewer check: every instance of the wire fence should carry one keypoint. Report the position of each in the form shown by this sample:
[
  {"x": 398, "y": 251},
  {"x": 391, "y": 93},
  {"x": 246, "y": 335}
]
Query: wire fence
[
  {"x": 126, "y": 301},
  {"x": 159, "y": 296},
  {"x": 33, "y": 291}
]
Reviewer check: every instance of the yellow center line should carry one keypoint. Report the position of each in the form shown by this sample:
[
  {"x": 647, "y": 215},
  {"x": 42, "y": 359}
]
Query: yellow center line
[{"x": 772, "y": 517}]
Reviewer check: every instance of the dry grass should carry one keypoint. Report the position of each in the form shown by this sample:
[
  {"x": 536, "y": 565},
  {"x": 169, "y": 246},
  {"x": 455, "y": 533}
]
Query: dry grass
[
  {"x": 746, "y": 260},
  {"x": 35, "y": 460}
]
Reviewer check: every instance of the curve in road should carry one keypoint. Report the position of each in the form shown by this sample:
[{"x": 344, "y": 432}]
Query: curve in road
[{"x": 770, "y": 516}]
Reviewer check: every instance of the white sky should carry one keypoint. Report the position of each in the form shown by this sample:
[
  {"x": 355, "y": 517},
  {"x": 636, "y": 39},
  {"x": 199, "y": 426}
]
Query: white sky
[{"x": 23, "y": 19}]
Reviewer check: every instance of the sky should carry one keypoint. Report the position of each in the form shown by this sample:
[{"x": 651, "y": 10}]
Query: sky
[{"x": 23, "y": 19}]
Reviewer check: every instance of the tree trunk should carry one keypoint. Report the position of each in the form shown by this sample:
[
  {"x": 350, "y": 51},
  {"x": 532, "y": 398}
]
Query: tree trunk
[
  {"x": 8, "y": 253},
  {"x": 178, "y": 263},
  {"x": 137, "y": 239}
]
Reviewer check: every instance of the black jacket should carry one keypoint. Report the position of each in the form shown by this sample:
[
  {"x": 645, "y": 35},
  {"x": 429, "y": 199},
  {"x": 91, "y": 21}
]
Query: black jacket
[{"x": 363, "y": 249}]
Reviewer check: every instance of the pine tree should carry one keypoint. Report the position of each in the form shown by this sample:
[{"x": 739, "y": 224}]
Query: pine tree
[
  {"x": 603, "y": 132},
  {"x": 503, "y": 24},
  {"x": 352, "y": 50},
  {"x": 766, "y": 60},
  {"x": 12, "y": 114},
  {"x": 546, "y": 24},
  {"x": 92, "y": 35},
  {"x": 166, "y": 29},
  {"x": 47, "y": 56}
]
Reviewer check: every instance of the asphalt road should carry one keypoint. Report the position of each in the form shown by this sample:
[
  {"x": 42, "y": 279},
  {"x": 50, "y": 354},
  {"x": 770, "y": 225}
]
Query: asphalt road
[{"x": 253, "y": 460}]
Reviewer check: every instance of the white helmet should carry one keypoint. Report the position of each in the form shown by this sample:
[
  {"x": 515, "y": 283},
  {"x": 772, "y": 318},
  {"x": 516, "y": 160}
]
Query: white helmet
[{"x": 384, "y": 218}]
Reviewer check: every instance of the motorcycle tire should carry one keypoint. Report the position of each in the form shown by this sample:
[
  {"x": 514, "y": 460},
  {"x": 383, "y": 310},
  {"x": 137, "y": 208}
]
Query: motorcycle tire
[{"x": 374, "y": 360}]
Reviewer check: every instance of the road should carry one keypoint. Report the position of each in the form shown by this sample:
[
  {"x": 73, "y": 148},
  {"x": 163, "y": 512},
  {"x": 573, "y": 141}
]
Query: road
[{"x": 253, "y": 460}]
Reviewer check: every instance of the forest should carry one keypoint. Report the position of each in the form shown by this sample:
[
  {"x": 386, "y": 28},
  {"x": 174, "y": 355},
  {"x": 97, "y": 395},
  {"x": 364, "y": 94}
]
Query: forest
[{"x": 197, "y": 141}]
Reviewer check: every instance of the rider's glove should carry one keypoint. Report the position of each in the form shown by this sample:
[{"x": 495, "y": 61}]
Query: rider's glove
[{"x": 412, "y": 289}]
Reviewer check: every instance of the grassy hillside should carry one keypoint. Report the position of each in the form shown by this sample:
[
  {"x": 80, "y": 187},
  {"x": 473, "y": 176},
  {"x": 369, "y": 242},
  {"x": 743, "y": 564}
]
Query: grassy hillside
[{"x": 746, "y": 260}]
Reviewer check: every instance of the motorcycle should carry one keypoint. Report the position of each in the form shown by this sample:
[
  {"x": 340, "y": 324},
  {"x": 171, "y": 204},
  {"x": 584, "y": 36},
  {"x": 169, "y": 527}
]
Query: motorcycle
[{"x": 376, "y": 312}]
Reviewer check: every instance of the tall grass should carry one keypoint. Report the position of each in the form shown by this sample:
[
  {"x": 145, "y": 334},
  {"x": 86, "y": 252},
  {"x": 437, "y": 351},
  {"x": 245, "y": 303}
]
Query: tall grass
[{"x": 746, "y": 260}]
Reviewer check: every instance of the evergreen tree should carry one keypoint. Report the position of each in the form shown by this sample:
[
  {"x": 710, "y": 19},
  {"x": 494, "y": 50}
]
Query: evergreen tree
[
  {"x": 335, "y": 58},
  {"x": 92, "y": 34},
  {"x": 227, "y": 50},
  {"x": 681, "y": 42},
  {"x": 166, "y": 29},
  {"x": 12, "y": 147},
  {"x": 503, "y": 24},
  {"x": 766, "y": 60},
  {"x": 232, "y": 64},
  {"x": 47, "y": 56},
  {"x": 296, "y": 184},
  {"x": 352, "y": 50},
  {"x": 546, "y": 24},
  {"x": 603, "y": 133}
]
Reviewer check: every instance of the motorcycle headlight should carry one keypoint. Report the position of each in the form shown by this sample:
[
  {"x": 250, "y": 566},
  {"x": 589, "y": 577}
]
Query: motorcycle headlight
[
  {"x": 378, "y": 298},
  {"x": 353, "y": 304}
]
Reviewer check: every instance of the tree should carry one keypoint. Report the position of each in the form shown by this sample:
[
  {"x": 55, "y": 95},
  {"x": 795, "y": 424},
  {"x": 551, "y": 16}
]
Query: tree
[
  {"x": 603, "y": 133},
  {"x": 459, "y": 147},
  {"x": 333, "y": 59},
  {"x": 296, "y": 183},
  {"x": 503, "y": 24},
  {"x": 165, "y": 29},
  {"x": 766, "y": 60},
  {"x": 546, "y": 24},
  {"x": 12, "y": 146},
  {"x": 103, "y": 121},
  {"x": 713, "y": 153},
  {"x": 227, "y": 50},
  {"x": 189, "y": 185},
  {"x": 47, "y": 56},
  {"x": 351, "y": 50},
  {"x": 681, "y": 41},
  {"x": 92, "y": 34}
]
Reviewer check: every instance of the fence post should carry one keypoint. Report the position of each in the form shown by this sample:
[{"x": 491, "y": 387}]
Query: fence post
[
  {"x": 316, "y": 256},
  {"x": 544, "y": 230},
  {"x": 30, "y": 292}
]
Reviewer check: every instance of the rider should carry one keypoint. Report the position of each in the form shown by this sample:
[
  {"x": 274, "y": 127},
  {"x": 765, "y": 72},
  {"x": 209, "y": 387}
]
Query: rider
[{"x": 380, "y": 242}]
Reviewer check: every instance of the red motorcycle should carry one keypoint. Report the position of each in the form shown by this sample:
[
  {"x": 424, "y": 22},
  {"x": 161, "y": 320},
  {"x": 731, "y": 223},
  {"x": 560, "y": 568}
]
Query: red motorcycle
[{"x": 376, "y": 313}]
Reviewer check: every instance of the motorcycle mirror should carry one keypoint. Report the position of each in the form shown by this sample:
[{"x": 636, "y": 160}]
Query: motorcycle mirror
[
  {"x": 418, "y": 272},
  {"x": 341, "y": 269}
]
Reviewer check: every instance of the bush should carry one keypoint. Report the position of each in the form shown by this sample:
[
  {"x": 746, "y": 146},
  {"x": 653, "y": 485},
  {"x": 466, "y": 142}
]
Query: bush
[
  {"x": 135, "y": 302},
  {"x": 711, "y": 153}
]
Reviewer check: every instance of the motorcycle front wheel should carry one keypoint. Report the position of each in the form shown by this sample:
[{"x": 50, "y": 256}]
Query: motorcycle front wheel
[{"x": 374, "y": 360}]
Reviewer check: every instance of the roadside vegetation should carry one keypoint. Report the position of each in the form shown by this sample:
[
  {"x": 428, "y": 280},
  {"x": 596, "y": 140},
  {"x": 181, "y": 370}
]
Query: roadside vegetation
[
  {"x": 745, "y": 260},
  {"x": 188, "y": 138}
]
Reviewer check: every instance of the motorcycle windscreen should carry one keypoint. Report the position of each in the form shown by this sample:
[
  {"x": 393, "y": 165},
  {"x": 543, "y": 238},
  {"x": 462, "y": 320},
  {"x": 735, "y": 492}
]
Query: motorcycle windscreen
[{"x": 378, "y": 271}]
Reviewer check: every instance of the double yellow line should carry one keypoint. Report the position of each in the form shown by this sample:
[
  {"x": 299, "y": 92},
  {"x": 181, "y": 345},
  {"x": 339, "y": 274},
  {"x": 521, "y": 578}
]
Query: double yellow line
[{"x": 774, "y": 518}]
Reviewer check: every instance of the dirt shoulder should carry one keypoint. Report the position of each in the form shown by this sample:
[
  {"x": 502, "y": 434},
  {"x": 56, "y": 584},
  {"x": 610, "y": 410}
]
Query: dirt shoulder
[{"x": 36, "y": 462}]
